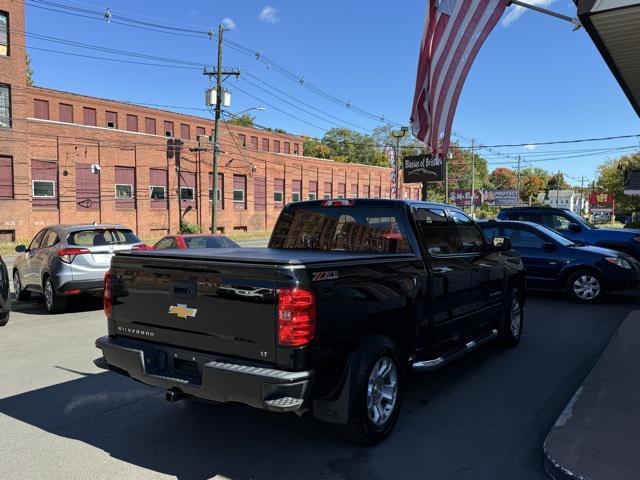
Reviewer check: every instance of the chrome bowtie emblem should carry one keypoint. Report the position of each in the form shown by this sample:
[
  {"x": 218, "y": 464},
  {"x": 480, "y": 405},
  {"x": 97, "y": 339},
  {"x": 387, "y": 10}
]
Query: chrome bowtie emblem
[{"x": 183, "y": 311}]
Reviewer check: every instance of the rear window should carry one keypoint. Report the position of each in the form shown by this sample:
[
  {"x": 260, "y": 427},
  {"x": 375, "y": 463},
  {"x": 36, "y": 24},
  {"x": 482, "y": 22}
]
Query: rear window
[
  {"x": 345, "y": 229},
  {"x": 209, "y": 242},
  {"x": 104, "y": 236}
]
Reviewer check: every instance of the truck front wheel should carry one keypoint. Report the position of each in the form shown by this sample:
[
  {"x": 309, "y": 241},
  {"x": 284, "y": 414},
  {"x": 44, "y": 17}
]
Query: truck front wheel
[{"x": 376, "y": 392}]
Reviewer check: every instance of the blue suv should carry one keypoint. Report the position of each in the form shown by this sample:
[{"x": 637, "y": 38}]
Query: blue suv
[{"x": 576, "y": 228}]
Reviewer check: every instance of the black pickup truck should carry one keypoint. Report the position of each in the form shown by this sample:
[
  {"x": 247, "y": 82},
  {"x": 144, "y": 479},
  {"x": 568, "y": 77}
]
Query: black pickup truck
[{"x": 349, "y": 295}]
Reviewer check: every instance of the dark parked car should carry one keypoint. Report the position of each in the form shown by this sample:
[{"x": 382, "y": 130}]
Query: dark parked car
[
  {"x": 553, "y": 262},
  {"x": 576, "y": 228},
  {"x": 5, "y": 298},
  {"x": 184, "y": 241},
  {"x": 348, "y": 296}
]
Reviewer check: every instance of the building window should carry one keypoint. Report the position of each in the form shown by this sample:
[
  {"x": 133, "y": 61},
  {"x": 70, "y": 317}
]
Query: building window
[
  {"x": 259, "y": 194},
  {"x": 366, "y": 191},
  {"x": 220, "y": 195},
  {"x": 124, "y": 191},
  {"x": 265, "y": 144},
  {"x": 44, "y": 189},
  {"x": 5, "y": 105},
  {"x": 111, "y": 119},
  {"x": 65, "y": 112},
  {"x": 89, "y": 116},
  {"x": 342, "y": 190},
  {"x": 328, "y": 190},
  {"x": 201, "y": 132},
  {"x": 4, "y": 34},
  {"x": 276, "y": 146},
  {"x": 168, "y": 129},
  {"x": 6, "y": 177},
  {"x": 157, "y": 192},
  {"x": 296, "y": 189},
  {"x": 242, "y": 140},
  {"x": 132, "y": 123},
  {"x": 187, "y": 193},
  {"x": 313, "y": 190},
  {"x": 41, "y": 109},
  {"x": 278, "y": 192},
  {"x": 254, "y": 143},
  {"x": 87, "y": 188},
  {"x": 296, "y": 149},
  {"x": 287, "y": 147},
  {"x": 354, "y": 190},
  {"x": 150, "y": 126},
  {"x": 185, "y": 132},
  {"x": 239, "y": 192}
]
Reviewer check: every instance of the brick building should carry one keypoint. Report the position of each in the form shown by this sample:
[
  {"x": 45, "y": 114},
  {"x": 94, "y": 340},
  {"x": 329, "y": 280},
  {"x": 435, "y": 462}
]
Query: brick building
[{"x": 51, "y": 141}]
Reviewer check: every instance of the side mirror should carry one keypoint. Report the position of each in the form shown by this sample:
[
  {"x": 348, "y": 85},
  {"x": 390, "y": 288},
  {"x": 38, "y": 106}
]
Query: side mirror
[
  {"x": 21, "y": 249},
  {"x": 501, "y": 244},
  {"x": 575, "y": 228},
  {"x": 550, "y": 247}
]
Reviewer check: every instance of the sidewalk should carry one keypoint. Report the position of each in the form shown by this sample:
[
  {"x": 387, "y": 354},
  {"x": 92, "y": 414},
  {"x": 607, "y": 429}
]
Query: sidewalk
[{"x": 597, "y": 436}]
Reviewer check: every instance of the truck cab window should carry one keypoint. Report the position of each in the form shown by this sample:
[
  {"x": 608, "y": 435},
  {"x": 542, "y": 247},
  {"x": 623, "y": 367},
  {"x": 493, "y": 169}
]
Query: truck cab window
[
  {"x": 469, "y": 235},
  {"x": 437, "y": 232}
]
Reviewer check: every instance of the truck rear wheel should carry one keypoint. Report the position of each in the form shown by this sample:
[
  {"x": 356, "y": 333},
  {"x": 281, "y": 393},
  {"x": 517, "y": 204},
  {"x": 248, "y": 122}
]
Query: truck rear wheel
[{"x": 376, "y": 392}]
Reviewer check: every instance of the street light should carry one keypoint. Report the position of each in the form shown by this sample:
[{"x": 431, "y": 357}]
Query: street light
[
  {"x": 398, "y": 134},
  {"x": 258, "y": 108}
]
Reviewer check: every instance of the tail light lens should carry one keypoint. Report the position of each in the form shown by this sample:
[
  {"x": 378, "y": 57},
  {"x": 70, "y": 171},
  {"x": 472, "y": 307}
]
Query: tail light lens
[
  {"x": 108, "y": 295},
  {"x": 67, "y": 255},
  {"x": 296, "y": 317}
]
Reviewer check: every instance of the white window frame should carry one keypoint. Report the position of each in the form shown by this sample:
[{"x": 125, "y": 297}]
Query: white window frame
[
  {"x": 33, "y": 189},
  {"x": 327, "y": 196},
  {"x": 276, "y": 192},
  {"x": 312, "y": 195},
  {"x": 238, "y": 200},
  {"x": 295, "y": 196},
  {"x": 218, "y": 197},
  {"x": 164, "y": 192},
  {"x": 115, "y": 191},
  {"x": 193, "y": 196}
]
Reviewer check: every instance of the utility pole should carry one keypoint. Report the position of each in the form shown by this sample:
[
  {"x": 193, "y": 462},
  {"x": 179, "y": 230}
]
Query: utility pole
[
  {"x": 558, "y": 190},
  {"x": 446, "y": 182},
  {"x": 473, "y": 179},
  {"x": 398, "y": 134},
  {"x": 219, "y": 73},
  {"x": 518, "y": 197}
]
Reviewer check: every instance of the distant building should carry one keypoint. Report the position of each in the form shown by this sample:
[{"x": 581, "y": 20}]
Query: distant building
[{"x": 569, "y": 199}]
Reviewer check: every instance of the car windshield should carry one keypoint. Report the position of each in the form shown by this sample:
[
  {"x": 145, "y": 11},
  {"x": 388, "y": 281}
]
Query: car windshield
[
  {"x": 555, "y": 236},
  {"x": 205, "y": 241},
  {"x": 102, "y": 236},
  {"x": 579, "y": 220},
  {"x": 345, "y": 229}
]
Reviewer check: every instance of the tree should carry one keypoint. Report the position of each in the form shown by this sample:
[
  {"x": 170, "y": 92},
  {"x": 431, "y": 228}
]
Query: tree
[
  {"x": 557, "y": 182},
  {"x": 611, "y": 179},
  {"x": 532, "y": 182},
  {"x": 29, "y": 71},
  {"x": 315, "y": 148},
  {"x": 352, "y": 147},
  {"x": 504, "y": 178},
  {"x": 244, "y": 120},
  {"x": 383, "y": 135}
]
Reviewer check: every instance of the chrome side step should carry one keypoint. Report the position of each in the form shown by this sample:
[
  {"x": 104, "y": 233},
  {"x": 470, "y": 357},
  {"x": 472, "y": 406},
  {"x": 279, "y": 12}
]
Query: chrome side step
[{"x": 435, "y": 363}]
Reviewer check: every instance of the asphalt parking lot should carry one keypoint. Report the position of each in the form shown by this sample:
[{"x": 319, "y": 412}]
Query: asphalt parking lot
[{"x": 484, "y": 416}]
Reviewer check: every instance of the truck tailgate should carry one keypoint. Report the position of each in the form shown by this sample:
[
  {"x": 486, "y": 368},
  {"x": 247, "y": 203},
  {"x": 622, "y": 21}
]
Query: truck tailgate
[{"x": 213, "y": 306}]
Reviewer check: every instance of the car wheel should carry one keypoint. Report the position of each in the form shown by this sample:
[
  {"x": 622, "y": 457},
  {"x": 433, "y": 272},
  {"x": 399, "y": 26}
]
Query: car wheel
[
  {"x": 55, "y": 303},
  {"x": 4, "y": 319},
  {"x": 585, "y": 286},
  {"x": 512, "y": 320},
  {"x": 21, "y": 294},
  {"x": 376, "y": 392}
]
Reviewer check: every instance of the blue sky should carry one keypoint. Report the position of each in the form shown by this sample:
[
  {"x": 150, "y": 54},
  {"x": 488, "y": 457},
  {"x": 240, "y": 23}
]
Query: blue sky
[{"x": 535, "y": 79}]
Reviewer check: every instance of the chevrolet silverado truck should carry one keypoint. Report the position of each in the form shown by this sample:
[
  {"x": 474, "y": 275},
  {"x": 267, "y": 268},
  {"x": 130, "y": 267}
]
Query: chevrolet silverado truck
[{"x": 348, "y": 297}]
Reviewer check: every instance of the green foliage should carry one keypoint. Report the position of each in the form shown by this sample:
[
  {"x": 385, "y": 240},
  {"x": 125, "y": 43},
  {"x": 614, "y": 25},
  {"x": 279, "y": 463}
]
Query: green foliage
[
  {"x": 244, "y": 120},
  {"x": 383, "y": 135},
  {"x": 611, "y": 179},
  {"x": 504, "y": 178},
  {"x": 315, "y": 148},
  {"x": 353, "y": 147},
  {"x": 29, "y": 71},
  {"x": 557, "y": 182},
  {"x": 188, "y": 227}
]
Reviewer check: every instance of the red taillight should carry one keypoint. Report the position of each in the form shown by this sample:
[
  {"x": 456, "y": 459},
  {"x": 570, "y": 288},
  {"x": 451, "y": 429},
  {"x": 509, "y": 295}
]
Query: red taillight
[
  {"x": 68, "y": 254},
  {"x": 338, "y": 203},
  {"x": 296, "y": 317},
  {"x": 142, "y": 247},
  {"x": 107, "y": 296}
]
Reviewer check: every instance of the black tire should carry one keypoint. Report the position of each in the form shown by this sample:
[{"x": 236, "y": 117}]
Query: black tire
[
  {"x": 512, "y": 320},
  {"x": 4, "y": 319},
  {"x": 53, "y": 302},
  {"x": 21, "y": 294},
  {"x": 585, "y": 286},
  {"x": 360, "y": 428}
]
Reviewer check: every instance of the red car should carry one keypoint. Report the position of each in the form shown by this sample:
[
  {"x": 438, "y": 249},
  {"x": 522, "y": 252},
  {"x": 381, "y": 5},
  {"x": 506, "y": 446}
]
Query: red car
[{"x": 183, "y": 242}]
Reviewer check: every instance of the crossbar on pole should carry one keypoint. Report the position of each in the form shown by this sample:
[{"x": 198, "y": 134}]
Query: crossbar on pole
[{"x": 576, "y": 23}]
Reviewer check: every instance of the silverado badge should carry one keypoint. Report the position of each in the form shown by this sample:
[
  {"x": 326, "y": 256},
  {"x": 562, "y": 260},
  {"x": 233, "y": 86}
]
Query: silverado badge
[{"x": 182, "y": 311}]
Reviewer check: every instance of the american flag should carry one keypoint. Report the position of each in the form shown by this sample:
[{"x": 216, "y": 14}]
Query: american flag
[{"x": 454, "y": 31}]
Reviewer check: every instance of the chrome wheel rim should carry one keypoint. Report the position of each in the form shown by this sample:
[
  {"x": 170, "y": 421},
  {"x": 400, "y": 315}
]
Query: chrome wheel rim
[
  {"x": 48, "y": 294},
  {"x": 16, "y": 283},
  {"x": 382, "y": 391},
  {"x": 516, "y": 317},
  {"x": 586, "y": 287}
]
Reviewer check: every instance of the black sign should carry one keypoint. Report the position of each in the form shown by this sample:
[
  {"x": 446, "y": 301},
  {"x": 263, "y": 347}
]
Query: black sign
[
  {"x": 632, "y": 182},
  {"x": 423, "y": 168}
]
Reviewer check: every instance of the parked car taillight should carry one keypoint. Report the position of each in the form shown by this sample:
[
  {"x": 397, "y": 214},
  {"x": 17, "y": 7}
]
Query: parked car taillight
[
  {"x": 296, "y": 317},
  {"x": 107, "y": 296},
  {"x": 68, "y": 254},
  {"x": 142, "y": 247}
]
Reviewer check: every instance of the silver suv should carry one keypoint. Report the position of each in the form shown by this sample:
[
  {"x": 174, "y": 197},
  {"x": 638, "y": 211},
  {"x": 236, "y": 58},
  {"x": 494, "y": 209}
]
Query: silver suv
[{"x": 66, "y": 260}]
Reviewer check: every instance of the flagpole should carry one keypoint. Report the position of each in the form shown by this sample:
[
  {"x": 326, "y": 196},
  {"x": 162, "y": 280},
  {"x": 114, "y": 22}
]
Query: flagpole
[{"x": 576, "y": 23}]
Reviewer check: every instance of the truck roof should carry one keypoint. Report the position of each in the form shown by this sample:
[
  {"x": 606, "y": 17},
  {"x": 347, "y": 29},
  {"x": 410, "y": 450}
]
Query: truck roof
[{"x": 387, "y": 202}]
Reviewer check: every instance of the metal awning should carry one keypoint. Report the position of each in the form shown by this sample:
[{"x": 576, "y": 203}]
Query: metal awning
[{"x": 614, "y": 26}]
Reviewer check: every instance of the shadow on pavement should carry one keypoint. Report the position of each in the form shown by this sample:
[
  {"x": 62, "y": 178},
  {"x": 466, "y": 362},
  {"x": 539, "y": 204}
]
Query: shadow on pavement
[
  {"x": 35, "y": 306},
  {"x": 484, "y": 416}
]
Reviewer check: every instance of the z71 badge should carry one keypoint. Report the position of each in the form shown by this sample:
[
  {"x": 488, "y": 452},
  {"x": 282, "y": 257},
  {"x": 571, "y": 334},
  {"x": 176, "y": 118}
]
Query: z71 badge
[{"x": 318, "y": 276}]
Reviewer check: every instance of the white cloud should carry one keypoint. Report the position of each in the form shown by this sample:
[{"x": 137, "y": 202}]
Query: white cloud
[
  {"x": 269, "y": 15},
  {"x": 530, "y": 147},
  {"x": 516, "y": 11},
  {"x": 228, "y": 23}
]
